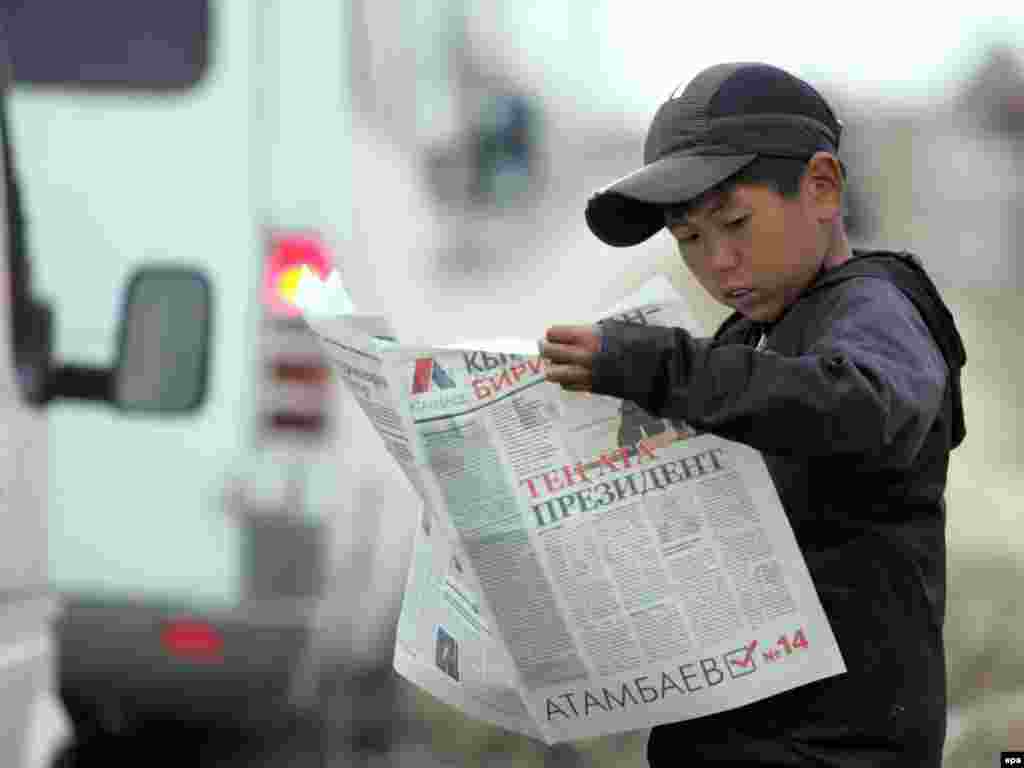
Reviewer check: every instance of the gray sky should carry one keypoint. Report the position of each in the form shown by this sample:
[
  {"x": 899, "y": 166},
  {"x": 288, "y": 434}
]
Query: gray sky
[{"x": 629, "y": 54}]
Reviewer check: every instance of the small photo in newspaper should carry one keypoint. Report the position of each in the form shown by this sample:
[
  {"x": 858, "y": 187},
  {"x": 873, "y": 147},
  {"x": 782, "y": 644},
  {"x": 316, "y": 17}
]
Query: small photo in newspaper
[
  {"x": 638, "y": 425},
  {"x": 447, "y": 654}
]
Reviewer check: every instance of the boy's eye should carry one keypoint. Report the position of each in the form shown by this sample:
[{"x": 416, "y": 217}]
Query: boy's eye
[{"x": 737, "y": 223}]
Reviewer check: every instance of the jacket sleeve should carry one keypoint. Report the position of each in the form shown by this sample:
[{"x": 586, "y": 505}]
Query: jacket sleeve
[{"x": 871, "y": 381}]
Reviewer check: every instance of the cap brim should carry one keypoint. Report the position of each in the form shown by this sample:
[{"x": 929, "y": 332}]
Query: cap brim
[{"x": 629, "y": 211}]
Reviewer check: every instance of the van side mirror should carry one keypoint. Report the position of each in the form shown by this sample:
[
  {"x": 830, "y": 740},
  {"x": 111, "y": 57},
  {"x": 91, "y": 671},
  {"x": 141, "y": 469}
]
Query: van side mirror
[
  {"x": 164, "y": 348},
  {"x": 163, "y": 354}
]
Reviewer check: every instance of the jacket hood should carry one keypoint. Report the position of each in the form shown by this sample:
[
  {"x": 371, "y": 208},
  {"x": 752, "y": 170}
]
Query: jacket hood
[{"x": 908, "y": 274}]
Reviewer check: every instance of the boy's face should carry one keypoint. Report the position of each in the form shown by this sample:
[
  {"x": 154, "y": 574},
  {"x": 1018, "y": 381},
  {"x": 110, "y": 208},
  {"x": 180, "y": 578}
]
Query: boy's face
[{"x": 752, "y": 249}]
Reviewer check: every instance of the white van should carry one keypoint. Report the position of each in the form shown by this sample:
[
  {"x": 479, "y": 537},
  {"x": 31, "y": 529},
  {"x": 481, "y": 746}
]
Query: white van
[
  {"x": 193, "y": 557},
  {"x": 155, "y": 371},
  {"x": 159, "y": 367}
]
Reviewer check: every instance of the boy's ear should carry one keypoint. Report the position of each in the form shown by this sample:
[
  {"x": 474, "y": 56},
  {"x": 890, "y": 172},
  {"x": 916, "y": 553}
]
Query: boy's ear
[{"x": 823, "y": 182}]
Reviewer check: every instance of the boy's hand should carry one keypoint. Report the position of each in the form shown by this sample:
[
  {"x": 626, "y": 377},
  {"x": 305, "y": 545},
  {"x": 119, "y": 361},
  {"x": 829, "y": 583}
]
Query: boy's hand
[
  {"x": 569, "y": 354},
  {"x": 661, "y": 440}
]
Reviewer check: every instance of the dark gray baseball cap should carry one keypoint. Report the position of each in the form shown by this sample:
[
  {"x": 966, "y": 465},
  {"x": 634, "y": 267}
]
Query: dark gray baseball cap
[{"x": 720, "y": 122}]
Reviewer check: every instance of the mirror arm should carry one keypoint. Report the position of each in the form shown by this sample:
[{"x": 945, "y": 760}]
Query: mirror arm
[{"x": 81, "y": 382}]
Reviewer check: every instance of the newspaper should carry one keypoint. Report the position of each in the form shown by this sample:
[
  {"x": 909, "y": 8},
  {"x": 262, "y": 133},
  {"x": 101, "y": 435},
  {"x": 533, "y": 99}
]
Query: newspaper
[{"x": 580, "y": 567}]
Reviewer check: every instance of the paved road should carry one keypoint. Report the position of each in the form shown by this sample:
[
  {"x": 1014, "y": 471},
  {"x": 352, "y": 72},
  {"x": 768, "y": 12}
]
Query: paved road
[{"x": 365, "y": 722}]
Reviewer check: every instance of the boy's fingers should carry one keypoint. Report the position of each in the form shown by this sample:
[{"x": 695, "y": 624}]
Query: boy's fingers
[
  {"x": 569, "y": 375},
  {"x": 575, "y": 335},
  {"x": 569, "y": 355},
  {"x": 563, "y": 353}
]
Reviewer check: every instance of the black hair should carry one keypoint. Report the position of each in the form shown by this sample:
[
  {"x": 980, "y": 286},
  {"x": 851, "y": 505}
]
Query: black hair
[{"x": 781, "y": 174}]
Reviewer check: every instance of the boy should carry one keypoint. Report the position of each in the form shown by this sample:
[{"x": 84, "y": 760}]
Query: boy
[{"x": 842, "y": 367}]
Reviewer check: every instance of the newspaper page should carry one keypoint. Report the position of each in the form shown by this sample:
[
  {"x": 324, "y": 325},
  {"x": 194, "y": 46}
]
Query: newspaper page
[
  {"x": 446, "y": 640},
  {"x": 615, "y": 570}
]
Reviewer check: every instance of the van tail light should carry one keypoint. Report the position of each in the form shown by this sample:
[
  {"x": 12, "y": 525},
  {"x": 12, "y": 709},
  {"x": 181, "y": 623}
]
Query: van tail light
[{"x": 192, "y": 639}]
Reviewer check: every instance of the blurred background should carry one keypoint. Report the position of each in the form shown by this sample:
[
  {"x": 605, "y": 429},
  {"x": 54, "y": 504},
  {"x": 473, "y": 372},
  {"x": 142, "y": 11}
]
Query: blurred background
[{"x": 231, "y": 580}]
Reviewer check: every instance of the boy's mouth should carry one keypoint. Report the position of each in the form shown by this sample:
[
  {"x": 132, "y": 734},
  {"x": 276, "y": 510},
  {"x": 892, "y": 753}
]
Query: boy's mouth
[{"x": 737, "y": 293}]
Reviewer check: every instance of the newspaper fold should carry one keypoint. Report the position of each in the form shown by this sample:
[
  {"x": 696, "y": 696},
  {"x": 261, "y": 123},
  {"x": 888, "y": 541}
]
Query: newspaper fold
[{"x": 580, "y": 567}]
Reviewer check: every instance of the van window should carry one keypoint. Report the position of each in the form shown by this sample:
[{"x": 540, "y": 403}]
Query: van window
[{"x": 141, "y": 45}]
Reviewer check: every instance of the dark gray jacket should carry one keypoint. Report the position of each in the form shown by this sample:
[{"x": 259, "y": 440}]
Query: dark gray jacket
[{"x": 855, "y": 403}]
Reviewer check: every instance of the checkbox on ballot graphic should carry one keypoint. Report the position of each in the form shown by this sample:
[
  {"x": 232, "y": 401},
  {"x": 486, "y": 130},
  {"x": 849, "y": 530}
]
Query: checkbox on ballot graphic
[{"x": 741, "y": 662}]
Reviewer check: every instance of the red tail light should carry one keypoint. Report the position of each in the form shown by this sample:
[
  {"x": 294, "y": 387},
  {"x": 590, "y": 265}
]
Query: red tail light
[
  {"x": 288, "y": 254},
  {"x": 192, "y": 639}
]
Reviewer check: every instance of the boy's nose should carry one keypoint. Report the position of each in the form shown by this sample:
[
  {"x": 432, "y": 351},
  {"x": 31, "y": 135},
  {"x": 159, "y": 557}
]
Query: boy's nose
[{"x": 723, "y": 256}]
